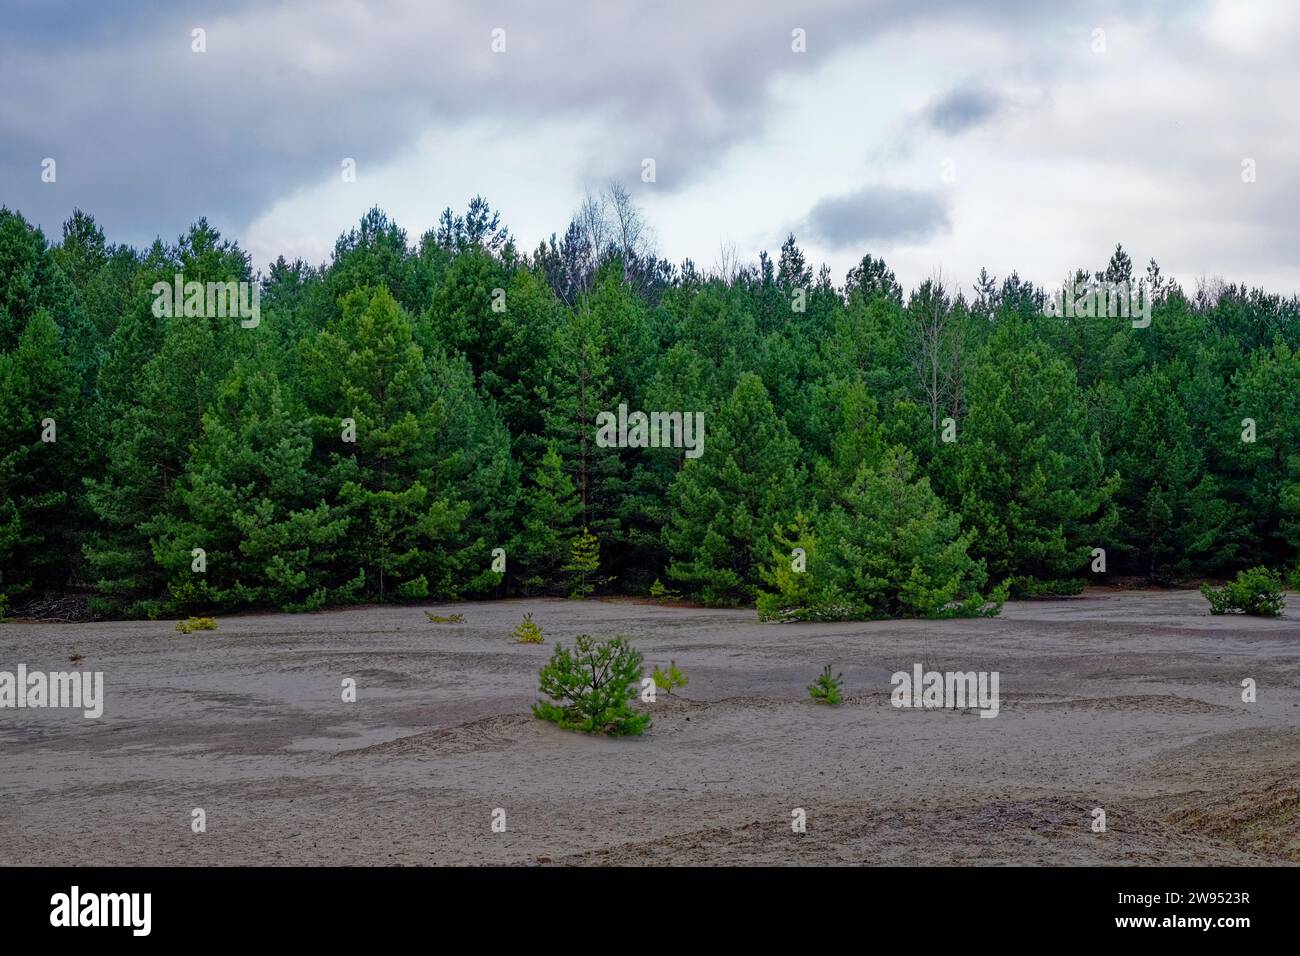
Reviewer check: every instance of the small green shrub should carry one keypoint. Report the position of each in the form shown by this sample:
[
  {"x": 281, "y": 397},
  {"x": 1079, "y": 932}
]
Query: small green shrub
[
  {"x": 1025, "y": 586},
  {"x": 659, "y": 591},
  {"x": 772, "y": 609},
  {"x": 827, "y": 689},
  {"x": 590, "y": 687},
  {"x": 197, "y": 624},
  {"x": 979, "y": 605},
  {"x": 444, "y": 618},
  {"x": 415, "y": 588},
  {"x": 1257, "y": 591},
  {"x": 667, "y": 680},
  {"x": 526, "y": 632}
]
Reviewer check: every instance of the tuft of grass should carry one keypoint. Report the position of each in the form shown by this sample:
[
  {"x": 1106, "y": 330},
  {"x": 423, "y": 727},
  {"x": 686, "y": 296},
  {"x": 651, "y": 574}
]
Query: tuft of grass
[
  {"x": 197, "y": 624},
  {"x": 445, "y": 618}
]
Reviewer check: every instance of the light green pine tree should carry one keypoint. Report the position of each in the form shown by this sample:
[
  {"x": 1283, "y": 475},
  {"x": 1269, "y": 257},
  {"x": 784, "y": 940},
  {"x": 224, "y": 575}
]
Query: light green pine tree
[{"x": 583, "y": 563}]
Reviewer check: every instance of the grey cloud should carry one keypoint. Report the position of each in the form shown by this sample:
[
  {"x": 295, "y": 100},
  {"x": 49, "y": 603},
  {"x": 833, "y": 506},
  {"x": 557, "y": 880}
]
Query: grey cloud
[
  {"x": 75, "y": 24},
  {"x": 962, "y": 108},
  {"x": 148, "y": 136},
  {"x": 877, "y": 213}
]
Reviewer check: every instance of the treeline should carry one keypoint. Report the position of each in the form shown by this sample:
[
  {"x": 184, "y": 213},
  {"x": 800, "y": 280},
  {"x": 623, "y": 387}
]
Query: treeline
[{"x": 399, "y": 414}]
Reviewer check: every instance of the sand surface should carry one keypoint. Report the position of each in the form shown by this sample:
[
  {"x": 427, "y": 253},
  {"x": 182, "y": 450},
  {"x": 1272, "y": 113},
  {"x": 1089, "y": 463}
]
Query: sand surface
[{"x": 1126, "y": 701}]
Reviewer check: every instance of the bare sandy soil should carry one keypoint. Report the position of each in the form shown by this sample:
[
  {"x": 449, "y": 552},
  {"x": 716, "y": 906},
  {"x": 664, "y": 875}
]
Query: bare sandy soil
[{"x": 1126, "y": 701}]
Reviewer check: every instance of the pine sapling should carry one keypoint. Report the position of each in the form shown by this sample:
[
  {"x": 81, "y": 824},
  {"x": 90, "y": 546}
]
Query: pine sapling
[
  {"x": 590, "y": 687},
  {"x": 584, "y": 562},
  {"x": 666, "y": 680},
  {"x": 827, "y": 689},
  {"x": 526, "y": 632},
  {"x": 661, "y": 592}
]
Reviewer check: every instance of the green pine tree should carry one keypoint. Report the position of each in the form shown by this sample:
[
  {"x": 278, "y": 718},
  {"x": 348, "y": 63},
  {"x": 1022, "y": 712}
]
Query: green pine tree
[
  {"x": 38, "y": 493},
  {"x": 583, "y": 563},
  {"x": 550, "y": 507},
  {"x": 251, "y": 501},
  {"x": 724, "y": 504},
  {"x": 406, "y": 531},
  {"x": 1033, "y": 486},
  {"x": 895, "y": 550}
]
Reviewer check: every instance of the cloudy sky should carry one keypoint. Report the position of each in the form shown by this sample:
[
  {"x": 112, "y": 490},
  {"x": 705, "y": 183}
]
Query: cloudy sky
[{"x": 942, "y": 135}]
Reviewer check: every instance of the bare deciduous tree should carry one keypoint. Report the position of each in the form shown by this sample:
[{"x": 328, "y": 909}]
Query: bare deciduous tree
[
  {"x": 727, "y": 266},
  {"x": 935, "y": 340},
  {"x": 611, "y": 222}
]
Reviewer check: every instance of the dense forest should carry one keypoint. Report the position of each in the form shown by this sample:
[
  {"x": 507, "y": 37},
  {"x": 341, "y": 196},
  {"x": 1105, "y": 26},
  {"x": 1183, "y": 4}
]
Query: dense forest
[{"x": 406, "y": 421}]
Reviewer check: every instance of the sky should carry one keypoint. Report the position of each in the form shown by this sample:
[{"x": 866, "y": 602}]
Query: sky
[{"x": 944, "y": 136}]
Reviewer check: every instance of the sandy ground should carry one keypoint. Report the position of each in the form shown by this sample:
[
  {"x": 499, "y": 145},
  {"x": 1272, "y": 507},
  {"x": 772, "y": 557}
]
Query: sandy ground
[{"x": 1126, "y": 701}]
